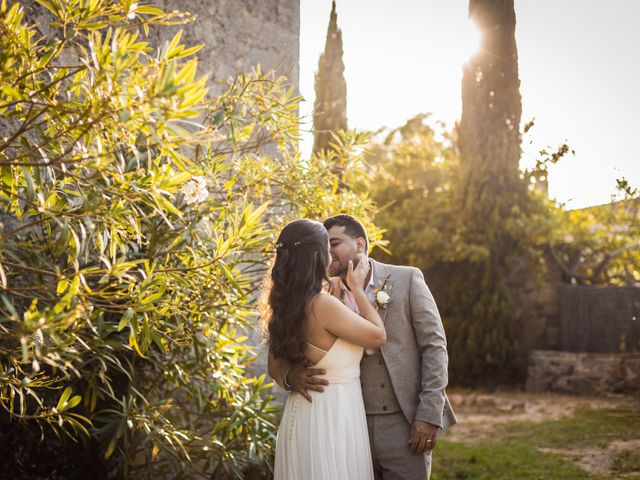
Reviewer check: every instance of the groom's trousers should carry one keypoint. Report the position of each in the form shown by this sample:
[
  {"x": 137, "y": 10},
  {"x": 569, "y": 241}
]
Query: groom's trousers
[{"x": 392, "y": 460}]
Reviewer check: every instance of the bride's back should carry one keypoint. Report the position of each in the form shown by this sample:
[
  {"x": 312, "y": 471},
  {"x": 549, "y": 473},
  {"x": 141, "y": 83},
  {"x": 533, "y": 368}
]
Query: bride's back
[{"x": 319, "y": 339}]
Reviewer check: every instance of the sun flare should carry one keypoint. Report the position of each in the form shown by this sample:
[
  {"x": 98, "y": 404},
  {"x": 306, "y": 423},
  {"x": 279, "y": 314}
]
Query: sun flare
[{"x": 469, "y": 40}]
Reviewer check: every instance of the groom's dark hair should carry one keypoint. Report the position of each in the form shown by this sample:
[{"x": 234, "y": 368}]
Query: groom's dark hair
[{"x": 352, "y": 226}]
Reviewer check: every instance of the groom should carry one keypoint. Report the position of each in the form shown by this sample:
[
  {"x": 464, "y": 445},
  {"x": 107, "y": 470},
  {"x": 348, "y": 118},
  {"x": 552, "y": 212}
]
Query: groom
[{"x": 403, "y": 382}]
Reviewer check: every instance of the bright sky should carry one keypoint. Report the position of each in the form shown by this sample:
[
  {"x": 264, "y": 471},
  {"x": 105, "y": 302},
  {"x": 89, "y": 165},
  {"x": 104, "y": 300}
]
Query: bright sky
[{"x": 579, "y": 72}]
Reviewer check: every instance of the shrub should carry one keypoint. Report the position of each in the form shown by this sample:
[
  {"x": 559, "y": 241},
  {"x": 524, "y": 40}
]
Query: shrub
[{"x": 137, "y": 217}]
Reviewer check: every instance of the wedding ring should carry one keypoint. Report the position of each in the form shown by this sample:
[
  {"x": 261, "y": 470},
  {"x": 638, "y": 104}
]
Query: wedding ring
[{"x": 428, "y": 441}]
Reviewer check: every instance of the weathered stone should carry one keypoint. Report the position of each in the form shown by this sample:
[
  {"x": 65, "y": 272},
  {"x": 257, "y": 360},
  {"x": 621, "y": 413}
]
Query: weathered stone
[
  {"x": 238, "y": 35},
  {"x": 583, "y": 373}
]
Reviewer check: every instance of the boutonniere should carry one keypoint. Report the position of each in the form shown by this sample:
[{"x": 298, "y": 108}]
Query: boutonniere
[{"x": 381, "y": 295}]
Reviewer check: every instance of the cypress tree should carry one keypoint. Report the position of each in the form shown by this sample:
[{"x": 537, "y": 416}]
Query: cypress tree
[
  {"x": 491, "y": 108},
  {"x": 492, "y": 198},
  {"x": 330, "y": 107}
]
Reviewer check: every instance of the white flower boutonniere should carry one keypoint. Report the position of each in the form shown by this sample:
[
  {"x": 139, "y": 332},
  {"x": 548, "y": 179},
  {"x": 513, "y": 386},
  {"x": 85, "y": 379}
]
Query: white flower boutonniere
[{"x": 382, "y": 298}]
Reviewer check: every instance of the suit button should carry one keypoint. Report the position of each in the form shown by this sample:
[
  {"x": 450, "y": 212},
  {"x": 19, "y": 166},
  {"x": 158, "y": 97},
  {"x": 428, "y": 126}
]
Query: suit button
[
  {"x": 382, "y": 385},
  {"x": 381, "y": 362},
  {"x": 384, "y": 407}
]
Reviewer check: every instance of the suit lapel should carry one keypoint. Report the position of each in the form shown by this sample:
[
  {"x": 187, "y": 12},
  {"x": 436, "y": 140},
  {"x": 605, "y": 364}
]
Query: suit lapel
[{"x": 381, "y": 281}]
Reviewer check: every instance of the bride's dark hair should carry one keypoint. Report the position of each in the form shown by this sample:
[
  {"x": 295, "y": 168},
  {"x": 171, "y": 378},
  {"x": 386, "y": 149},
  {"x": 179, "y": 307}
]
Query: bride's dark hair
[{"x": 297, "y": 275}]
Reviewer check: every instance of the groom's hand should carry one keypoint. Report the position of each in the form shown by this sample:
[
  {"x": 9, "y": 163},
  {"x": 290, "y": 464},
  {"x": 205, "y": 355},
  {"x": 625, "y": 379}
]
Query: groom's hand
[
  {"x": 303, "y": 378},
  {"x": 423, "y": 437}
]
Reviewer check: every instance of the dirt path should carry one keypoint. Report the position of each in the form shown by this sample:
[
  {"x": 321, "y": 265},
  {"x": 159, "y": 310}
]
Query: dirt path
[{"x": 597, "y": 461}]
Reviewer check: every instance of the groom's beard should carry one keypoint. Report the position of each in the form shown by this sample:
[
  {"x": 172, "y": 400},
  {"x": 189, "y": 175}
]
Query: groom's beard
[{"x": 339, "y": 269}]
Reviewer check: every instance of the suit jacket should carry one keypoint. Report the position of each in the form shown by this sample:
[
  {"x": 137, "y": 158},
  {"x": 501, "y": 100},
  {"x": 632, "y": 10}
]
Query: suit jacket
[{"x": 416, "y": 350}]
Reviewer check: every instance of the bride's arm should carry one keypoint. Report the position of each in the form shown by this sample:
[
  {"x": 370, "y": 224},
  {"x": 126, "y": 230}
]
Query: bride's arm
[
  {"x": 365, "y": 329},
  {"x": 342, "y": 322}
]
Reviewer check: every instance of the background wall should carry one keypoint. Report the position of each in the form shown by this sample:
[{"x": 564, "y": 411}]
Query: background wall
[{"x": 239, "y": 34}]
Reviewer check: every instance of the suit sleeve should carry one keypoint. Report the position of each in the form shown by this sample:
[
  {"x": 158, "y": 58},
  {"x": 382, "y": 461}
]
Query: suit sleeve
[
  {"x": 277, "y": 369},
  {"x": 285, "y": 368},
  {"x": 432, "y": 346}
]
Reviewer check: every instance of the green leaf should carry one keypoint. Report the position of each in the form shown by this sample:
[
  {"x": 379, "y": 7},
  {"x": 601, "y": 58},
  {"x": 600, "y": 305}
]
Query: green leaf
[
  {"x": 49, "y": 6},
  {"x": 63, "y": 283},
  {"x": 112, "y": 446},
  {"x": 149, "y": 10},
  {"x": 63, "y": 399},
  {"x": 125, "y": 320},
  {"x": 189, "y": 51},
  {"x": 73, "y": 402},
  {"x": 175, "y": 41},
  {"x": 154, "y": 296},
  {"x": 31, "y": 191}
]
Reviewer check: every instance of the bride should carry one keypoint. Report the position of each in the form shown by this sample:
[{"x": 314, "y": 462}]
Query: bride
[{"x": 326, "y": 437}]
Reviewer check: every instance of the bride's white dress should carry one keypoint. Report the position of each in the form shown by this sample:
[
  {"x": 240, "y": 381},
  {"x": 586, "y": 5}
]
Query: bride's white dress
[{"x": 327, "y": 439}]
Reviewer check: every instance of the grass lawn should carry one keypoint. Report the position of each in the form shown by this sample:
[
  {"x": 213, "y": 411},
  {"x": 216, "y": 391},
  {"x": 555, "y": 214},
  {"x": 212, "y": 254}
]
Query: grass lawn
[{"x": 515, "y": 450}]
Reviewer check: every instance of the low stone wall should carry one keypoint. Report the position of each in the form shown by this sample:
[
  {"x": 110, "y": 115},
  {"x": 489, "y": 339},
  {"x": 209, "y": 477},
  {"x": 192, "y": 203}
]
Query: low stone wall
[{"x": 583, "y": 373}]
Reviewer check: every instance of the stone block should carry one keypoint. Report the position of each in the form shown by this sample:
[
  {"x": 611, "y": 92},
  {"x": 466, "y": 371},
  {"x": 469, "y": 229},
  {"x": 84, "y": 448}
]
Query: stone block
[{"x": 583, "y": 373}]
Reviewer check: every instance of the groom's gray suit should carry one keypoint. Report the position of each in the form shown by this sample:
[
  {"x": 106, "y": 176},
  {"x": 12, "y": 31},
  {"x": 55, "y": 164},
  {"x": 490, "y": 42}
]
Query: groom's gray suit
[{"x": 413, "y": 362}]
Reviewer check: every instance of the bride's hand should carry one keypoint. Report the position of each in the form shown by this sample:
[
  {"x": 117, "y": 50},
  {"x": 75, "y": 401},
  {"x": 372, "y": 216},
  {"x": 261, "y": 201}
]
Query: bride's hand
[
  {"x": 356, "y": 276},
  {"x": 333, "y": 287}
]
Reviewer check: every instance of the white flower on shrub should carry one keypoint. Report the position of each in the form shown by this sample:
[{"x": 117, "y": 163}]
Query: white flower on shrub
[
  {"x": 195, "y": 191},
  {"x": 132, "y": 11}
]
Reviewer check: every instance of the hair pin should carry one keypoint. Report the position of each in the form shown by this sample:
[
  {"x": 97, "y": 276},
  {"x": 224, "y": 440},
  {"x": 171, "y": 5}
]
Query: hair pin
[{"x": 282, "y": 245}]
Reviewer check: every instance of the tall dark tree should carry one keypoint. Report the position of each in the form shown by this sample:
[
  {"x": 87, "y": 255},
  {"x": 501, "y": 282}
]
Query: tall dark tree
[
  {"x": 330, "y": 108},
  {"x": 493, "y": 200},
  {"x": 491, "y": 109}
]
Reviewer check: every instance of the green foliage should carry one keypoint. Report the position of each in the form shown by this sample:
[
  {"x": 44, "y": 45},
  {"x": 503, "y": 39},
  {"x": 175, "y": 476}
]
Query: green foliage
[
  {"x": 595, "y": 245},
  {"x": 137, "y": 217},
  {"x": 415, "y": 169},
  {"x": 600, "y": 245},
  {"x": 417, "y": 188},
  {"x": 415, "y": 184}
]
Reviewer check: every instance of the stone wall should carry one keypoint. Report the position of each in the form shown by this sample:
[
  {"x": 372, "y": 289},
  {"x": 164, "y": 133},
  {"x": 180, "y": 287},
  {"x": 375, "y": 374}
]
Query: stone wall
[
  {"x": 537, "y": 306},
  {"x": 239, "y": 34},
  {"x": 583, "y": 373}
]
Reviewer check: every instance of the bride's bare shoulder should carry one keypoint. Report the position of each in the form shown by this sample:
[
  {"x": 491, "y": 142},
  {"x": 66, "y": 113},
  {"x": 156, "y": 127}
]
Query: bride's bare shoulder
[
  {"x": 325, "y": 302},
  {"x": 321, "y": 300}
]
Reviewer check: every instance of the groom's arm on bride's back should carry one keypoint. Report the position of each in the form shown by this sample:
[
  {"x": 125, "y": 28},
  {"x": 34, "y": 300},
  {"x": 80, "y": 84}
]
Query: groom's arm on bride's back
[
  {"x": 432, "y": 345},
  {"x": 277, "y": 369},
  {"x": 298, "y": 377}
]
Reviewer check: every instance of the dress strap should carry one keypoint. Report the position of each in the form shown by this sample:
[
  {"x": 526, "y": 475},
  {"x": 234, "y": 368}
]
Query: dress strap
[{"x": 317, "y": 348}]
